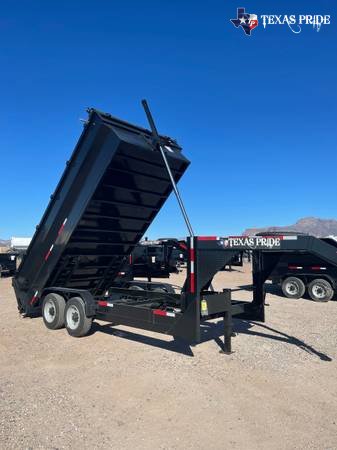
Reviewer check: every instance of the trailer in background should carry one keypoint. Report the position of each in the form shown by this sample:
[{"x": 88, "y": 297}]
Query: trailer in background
[
  {"x": 20, "y": 244},
  {"x": 8, "y": 263},
  {"x": 295, "y": 260},
  {"x": 11, "y": 258},
  {"x": 236, "y": 261},
  {"x": 155, "y": 259},
  {"x": 300, "y": 271}
]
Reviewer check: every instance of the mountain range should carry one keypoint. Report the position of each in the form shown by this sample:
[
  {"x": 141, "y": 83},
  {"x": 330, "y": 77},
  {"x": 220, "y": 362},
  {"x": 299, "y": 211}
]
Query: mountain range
[{"x": 310, "y": 225}]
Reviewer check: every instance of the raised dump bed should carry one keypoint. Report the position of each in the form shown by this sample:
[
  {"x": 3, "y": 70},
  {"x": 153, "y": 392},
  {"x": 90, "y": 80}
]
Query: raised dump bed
[{"x": 113, "y": 186}]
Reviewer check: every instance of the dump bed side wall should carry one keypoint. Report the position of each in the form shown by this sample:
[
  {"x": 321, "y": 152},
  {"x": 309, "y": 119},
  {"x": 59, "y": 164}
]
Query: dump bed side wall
[
  {"x": 110, "y": 192},
  {"x": 68, "y": 202}
]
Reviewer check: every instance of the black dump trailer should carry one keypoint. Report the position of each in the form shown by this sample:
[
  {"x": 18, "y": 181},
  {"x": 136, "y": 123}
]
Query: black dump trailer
[
  {"x": 299, "y": 272},
  {"x": 116, "y": 181},
  {"x": 296, "y": 260}
]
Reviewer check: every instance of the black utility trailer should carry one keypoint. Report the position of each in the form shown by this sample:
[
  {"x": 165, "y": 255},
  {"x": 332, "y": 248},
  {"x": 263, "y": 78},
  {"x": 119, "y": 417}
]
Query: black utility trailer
[
  {"x": 8, "y": 263},
  {"x": 150, "y": 259},
  {"x": 153, "y": 259},
  {"x": 116, "y": 181},
  {"x": 299, "y": 271}
]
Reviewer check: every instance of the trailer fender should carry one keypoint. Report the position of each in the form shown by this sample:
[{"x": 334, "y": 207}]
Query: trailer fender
[
  {"x": 328, "y": 278},
  {"x": 89, "y": 302},
  {"x": 324, "y": 276}
]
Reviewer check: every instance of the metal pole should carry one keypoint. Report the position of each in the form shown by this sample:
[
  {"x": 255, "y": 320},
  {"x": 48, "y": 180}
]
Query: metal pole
[{"x": 175, "y": 188}]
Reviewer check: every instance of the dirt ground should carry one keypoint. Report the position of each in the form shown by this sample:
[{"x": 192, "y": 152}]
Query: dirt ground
[{"x": 124, "y": 388}]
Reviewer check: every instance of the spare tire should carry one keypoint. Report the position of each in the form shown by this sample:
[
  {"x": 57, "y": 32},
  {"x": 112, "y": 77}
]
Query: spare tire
[{"x": 293, "y": 287}]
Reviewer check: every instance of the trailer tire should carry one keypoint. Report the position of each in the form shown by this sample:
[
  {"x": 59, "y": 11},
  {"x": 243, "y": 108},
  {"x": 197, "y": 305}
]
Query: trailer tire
[
  {"x": 293, "y": 287},
  {"x": 53, "y": 306},
  {"x": 320, "y": 290},
  {"x": 76, "y": 321}
]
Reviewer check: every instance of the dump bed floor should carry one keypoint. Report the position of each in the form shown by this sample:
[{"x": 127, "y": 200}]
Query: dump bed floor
[{"x": 112, "y": 189}]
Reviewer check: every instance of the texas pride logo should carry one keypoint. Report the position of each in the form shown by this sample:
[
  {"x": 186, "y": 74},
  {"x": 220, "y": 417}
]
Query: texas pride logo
[{"x": 247, "y": 21}]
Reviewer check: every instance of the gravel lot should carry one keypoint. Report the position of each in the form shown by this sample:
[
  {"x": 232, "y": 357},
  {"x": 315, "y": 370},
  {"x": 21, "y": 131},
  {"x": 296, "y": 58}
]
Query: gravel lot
[{"x": 122, "y": 388}]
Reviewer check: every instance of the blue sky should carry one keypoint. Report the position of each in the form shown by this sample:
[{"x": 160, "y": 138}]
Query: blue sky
[{"x": 256, "y": 115}]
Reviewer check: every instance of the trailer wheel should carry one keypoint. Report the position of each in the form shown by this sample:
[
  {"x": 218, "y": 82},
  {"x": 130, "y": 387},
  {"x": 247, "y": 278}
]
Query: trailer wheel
[
  {"x": 53, "y": 311},
  {"x": 320, "y": 290},
  {"x": 77, "y": 323},
  {"x": 293, "y": 287}
]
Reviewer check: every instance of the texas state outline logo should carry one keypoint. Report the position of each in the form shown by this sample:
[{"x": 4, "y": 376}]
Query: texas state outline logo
[{"x": 246, "y": 21}]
